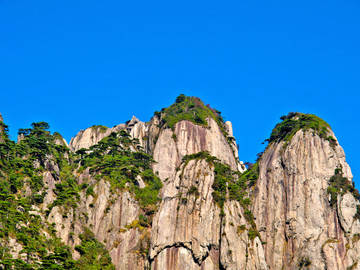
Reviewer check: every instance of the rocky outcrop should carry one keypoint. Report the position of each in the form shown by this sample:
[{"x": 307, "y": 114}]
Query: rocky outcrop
[
  {"x": 110, "y": 216},
  {"x": 188, "y": 138},
  {"x": 292, "y": 208},
  {"x": 347, "y": 208},
  {"x": 187, "y": 221},
  {"x": 238, "y": 251},
  {"x": 88, "y": 137},
  {"x": 138, "y": 130},
  {"x": 298, "y": 226},
  {"x": 92, "y": 135},
  {"x": 61, "y": 141},
  {"x": 188, "y": 231},
  {"x": 208, "y": 213}
]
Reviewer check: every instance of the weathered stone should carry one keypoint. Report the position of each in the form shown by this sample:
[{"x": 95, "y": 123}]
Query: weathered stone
[
  {"x": 88, "y": 137},
  {"x": 188, "y": 231},
  {"x": 297, "y": 226},
  {"x": 107, "y": 216},
  {"x": 291, "y": 204},
  {"x": 188, "y": 138},
  {"x": 237, "y": 250}
]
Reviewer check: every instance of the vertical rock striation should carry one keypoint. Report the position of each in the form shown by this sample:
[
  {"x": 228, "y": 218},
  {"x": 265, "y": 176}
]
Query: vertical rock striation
[
  {"x": 292, "y": 205},
  {"x": 188, "y": 230},
  {"x": 172, "y": 194},
  {"x": 187, "y": 138}
]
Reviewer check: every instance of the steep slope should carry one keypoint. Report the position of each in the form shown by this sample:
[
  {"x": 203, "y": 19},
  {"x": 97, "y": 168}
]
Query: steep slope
[
  {"x": 172, "y": 194},
  {"x": 299, "y": 214},
  {"x": 103, "y": 193},
  {"x": 29, "y": 173},
  {"x": 188, "y": 127},
  {"x": 191, "y": 227},
  {"x": 91, "y": 136},
  {"x": 170, "y": 141},
  {"x": 198, "y": 226}
]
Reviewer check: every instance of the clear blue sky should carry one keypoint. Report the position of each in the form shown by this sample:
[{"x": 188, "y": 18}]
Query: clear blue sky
[{"x": 74, "y": 64}]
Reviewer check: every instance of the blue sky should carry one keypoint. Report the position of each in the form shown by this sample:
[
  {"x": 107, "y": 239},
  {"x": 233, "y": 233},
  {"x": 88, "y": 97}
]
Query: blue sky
[{"x": 74, "y": 64}]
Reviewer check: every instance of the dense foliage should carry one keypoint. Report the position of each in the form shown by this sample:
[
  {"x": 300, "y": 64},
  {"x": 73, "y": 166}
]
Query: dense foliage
[
  {"x": 191, "y": 109},
  {"x": 294, "y": 122},
  {"x": 339, "y": 184},
  {"x": 94, "y": 255},
  {"x": 118, "y": 159},
  {"x": 21, "y": 189},
  {"x": 251, "y": 175}
]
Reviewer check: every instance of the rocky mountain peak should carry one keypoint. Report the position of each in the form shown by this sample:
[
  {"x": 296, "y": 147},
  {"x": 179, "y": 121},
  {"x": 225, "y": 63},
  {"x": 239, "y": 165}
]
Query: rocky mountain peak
[
  {"x": 191, "y": 109},
  {"x": 303, "y": 180},
  {"x": 295, "y": 121},
  {"x": 172, "y": 194}
]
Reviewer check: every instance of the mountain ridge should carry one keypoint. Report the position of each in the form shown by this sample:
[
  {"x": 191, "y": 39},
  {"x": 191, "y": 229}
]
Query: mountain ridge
[{"x": 172, "y": 193}]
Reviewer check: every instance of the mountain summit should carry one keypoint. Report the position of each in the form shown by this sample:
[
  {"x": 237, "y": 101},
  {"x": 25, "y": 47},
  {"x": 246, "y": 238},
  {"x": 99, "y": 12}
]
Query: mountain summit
[{"x": 172, "y": 193}]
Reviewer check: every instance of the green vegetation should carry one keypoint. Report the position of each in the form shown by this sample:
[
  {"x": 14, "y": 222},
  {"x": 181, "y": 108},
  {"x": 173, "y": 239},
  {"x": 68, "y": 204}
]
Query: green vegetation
[
  {"x": 117, "y": 159},
  {"x": 251, "y": 175},
  {"x": 293, "y": 122},
  {"x": 112, "y": 159},
  {"x": 224, "y": 180},
  {"x": 193, "y": 191},
  {"x": 241, "y": 229},
  {"x": 21, "y": 166},
  {"x": 252, "y": 233},
  {"x": 339, "y": 184},
  {"x": 197, "y": 156},
  {"x": 94, "y": 255},
  {"x": 228, "y": 185},
  {"x": 356, "y": 237},
  {"x": 102, "y": 128},
  {"x": 191, "y": 109}
]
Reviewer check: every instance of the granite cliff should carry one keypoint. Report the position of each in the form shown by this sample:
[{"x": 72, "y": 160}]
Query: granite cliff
[{"x": 172, "y": 194}]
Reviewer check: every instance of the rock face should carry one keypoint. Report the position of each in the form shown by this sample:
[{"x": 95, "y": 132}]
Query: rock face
[
  {"x": 187, "y": 227},
  {"x": 188, "y": 138},
  {"x": 88, "y": 137},
  {"x": 108, "y": 215},
  {"x": 188, "y": 231},
  {"x": 297, "y": 225},
  {"x": 169, "y": 147},
  {"x": 292, "y": 208},
  {"x": 92, "y": 135},
  {"x": 287, "y": 217}
]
